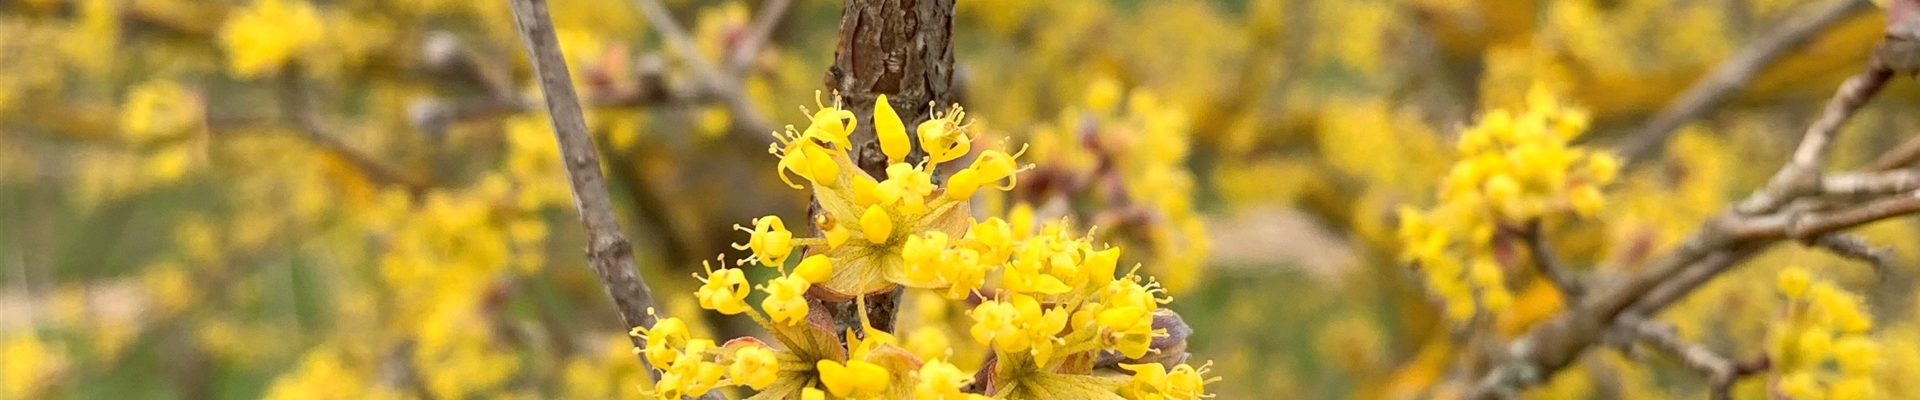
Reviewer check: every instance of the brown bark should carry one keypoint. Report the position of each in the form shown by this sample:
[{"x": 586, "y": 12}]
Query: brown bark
[
  {"x": 900, "y": 48},
  {"x": 904, "y": 50}
]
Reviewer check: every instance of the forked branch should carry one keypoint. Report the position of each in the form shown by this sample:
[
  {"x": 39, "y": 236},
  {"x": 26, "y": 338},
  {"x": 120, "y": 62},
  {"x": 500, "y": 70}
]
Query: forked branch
[
  {"x": 1770, "y": 215},
  {"x": 608, "y": 252},
  {"x": 1730, "y": 76}
]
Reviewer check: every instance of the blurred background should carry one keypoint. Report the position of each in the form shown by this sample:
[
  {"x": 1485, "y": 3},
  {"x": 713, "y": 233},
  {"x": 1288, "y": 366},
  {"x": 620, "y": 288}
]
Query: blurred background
[{"x": 356, "y": 199}]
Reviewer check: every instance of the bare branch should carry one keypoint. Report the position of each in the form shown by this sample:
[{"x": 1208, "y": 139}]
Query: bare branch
[
  {"x": 1801, "y": 174},
  {"x": 1859, "y": 184},
  {"x": 1549, "y": 262},
  {"x": 608, "y": 252},
  {"x": 764, "y": 21},
  {"x": 1857, "y": 248},
  {"x": 1809, "y": 226},
  {"x": 1721, "y": 372},
  {"x": 1721, "y": 243},
  {"x": 746, "y": 117},
  {"x": 1853, "y": 94},
  {"x": 1730, "y": 76},
  {"x": 296, "y": 100},
  {"x": 1900, "y": 157}
]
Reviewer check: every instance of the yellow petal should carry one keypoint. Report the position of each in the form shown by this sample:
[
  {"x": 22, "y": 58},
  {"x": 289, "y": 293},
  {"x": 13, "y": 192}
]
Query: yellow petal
[
  {"x": 891, "y": 132},
  {"x": 962, "y": 184},
  {"x": 876, "y": 225},
  {"x": 815, "y": 268},
  {"x": 836, "y": 377}
]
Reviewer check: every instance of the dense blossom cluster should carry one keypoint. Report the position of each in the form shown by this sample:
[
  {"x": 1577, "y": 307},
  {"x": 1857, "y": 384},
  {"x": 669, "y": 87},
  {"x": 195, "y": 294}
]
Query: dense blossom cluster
[
  {"x": 1333, "y": 112},
  {"x": 1821, "y": 347},
  {"x": 1512, "y": 170},
  {"x": 1059, "y": 303},
  {"x": 1121, "y": 161}
]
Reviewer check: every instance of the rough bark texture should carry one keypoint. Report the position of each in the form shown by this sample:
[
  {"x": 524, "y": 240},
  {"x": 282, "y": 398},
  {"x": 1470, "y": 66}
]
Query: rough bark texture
[
  {"x": 904, "y": 50},
  {"x": 900, "y": 48}
]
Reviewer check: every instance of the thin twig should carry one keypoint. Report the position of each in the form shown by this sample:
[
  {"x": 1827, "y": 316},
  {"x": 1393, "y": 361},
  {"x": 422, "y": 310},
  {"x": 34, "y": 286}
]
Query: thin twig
[
  {"x": 1858, "y": 248},
  {"x": 1730, "y": 76},
  {"x": 764, "y": 21},
  {"x": 1809, "y": 226},
  {"x": 1721, "y": 372},
  {"x": 1550, "y": 264},
  {"x": 1721, "y": 243},
  {"x": 1802, "y": 173},
  {"x": 1858, "y": 184},
  {"x": 297, "y": 104},
  {"x": 746, "y": 117},
  {"x": 1900, "y": 157},
  {"x": 608, "y": 252}
]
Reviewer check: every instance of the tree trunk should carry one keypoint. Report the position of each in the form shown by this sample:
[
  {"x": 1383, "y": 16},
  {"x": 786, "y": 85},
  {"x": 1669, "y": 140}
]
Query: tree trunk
[{"x": 903, "y": 49}]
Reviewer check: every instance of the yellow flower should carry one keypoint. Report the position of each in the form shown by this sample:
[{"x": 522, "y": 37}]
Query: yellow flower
[
  {"x": 1031, "y": 271},
  {"x": 1148, "y": 380},
  {"x": 1134, "y": 341},
  {"x": 261, "y": 37},
  {"x": 28, "y": 366},
  {"x": 907, "y": 185},
  {"x": 664, "y": 340},
  {"x": 753, "y": 366},
  {"x": 1124, "y": 313},
  {"x": 996, "y": 323},
  {"x": 1040, "y": 325},
  {"x": 1100, "y": 265},
  {"x": 940, "y": 381},
  {"x": 769, "y": 240},
  {"x": 1154, "y": 381},
  {"x": 1800, "y": 385},
  {"x": 944, "y": 137},
  {"x": 854, "y": 379},
  {"x": 812, "y": 394},
  {"x": 1856, "y": 355},
  {"x": 1586, "y": 200},
  {"x": 690, "y": 377},
  {"x": 814, "y": 269},
  {"x": 991, "y": 166},
  {"x": 964, "y": 273},
  {"x": 805, "y": 157},
  {"x": 1103, "y": 94},
  {"x": 891, "y": 133},
  {"x": 1185, "y": 382},
  {"x": 1602, "y": 168},
  {"x": 724, "y": 290},
  {"x": 784, "y": 302},
  {"x": 1502, "y": 188},
  {"x": 1793, "y": 281},
  {"x": 996, "y": 236},
  {"x": 929, "y": 343},
  {"x": 923, "y": 258},
  {"x": 691, "y": 373},
  {"x": 1851, "y": 388},
  {"x": 158, "y": 109},
  {"x": 832, "y": 124},
  {"x": 876, "y": 225}
]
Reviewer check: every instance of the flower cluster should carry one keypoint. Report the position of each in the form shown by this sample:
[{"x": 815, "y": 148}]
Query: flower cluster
[
  {"x": 1512, "y": 171},
  {"x": 1123, "y": 157},
  {"x": 1823, "y": 326},
  {"x": 30, "y": 365},
  {"x": 693, "y": 366},
  {"x": 1059, "y": 302},
  {"x": 265, "y": 35}
]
